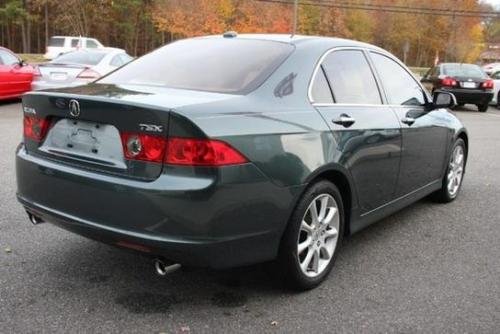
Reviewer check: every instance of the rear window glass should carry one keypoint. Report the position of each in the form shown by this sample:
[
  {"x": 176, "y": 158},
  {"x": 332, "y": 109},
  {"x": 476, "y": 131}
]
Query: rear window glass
[
  {"x": 234, "y": 66},
  {"x": 56, "y": 41},
  {"x": 463, "y": 70},
  {"x": 80, "y": 57}
]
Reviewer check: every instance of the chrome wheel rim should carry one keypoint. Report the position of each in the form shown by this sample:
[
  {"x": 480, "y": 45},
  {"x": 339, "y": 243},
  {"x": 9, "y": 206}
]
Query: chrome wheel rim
[
  {"x": 455, "y": 170},
  {"x": 318, "y": 235}
]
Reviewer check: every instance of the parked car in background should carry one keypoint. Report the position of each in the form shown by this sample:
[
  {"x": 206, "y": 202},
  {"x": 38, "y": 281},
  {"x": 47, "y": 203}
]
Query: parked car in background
[
  {"x": 468, "y": 82},
  {"x": 15, "y": 75},
  {"x": 61, "y": 44},
  {"x": 227, "y": 151},
  {"x": 79, "y": 67},
  {"x": 496, "y": 90},
  {"x": 491, "y": 68}
]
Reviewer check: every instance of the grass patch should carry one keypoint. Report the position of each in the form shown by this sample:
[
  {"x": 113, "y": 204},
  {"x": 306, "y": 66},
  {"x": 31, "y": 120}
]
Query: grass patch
[{"x": 32, "y": 58}]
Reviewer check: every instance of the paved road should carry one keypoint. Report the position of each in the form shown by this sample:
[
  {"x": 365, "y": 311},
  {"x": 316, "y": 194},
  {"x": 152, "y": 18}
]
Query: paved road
[{"x": 430, "y": 268}]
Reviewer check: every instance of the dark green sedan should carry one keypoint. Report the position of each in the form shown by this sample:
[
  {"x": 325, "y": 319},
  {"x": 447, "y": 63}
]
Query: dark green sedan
[{"x": 225, "y": 151}]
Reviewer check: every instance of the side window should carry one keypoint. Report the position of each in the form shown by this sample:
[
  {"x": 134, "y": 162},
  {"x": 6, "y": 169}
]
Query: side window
[
  {"x": 400, "y": 87},
  {"x": 75, "y": 42},
  {"x": 351, "y": 78},
  {"x": 8, "y": 58},
  {"x": 91, "y": 44},
  {"x": 320, "y": 90},
  {"x": 116, "y": 61}
]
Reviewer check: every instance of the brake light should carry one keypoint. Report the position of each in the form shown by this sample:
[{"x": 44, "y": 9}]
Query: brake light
[
  {"x": 143, "y": 147},
  {"x": 201, "y": 152},
  {"x": 88, "y": 74},
  {"x": 35, "y": 128},
  {"x": 448, "y": 81},
  {"x": 36, "y": 72},
  {"x": 488, "y": 84}
]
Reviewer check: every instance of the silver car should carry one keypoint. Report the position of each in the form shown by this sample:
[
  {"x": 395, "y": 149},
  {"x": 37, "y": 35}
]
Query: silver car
[{"x": 78, "y": 68}]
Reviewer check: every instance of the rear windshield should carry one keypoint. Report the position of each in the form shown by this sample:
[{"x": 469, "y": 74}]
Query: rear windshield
[
  {"x": 80, "y": 57},
  {"x": 56, "y": 41},
  {"x": 463, "y": 70},
  {"x": 226, "y": 65}
]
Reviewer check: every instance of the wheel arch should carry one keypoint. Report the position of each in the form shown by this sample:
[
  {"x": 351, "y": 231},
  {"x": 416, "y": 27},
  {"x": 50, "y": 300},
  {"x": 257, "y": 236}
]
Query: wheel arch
[{"x": 339, "y": 176}]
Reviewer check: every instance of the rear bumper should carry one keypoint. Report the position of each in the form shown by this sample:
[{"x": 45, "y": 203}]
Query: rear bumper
[
  {"x": 235, "y": 219},
  {"x": 471, "y": 96}
]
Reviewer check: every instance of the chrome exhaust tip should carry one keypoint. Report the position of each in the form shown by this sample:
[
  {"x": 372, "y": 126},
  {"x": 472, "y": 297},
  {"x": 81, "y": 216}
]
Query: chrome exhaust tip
[
  {"x": 163, "y": 268},
  {"x": 34, "y": 219}
]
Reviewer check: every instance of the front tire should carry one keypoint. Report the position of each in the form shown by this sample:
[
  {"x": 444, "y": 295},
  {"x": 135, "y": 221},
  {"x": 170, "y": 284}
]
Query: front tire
[
  {"x": 313, "y": 235},
  {"x": 452, "y": 180},
  {"x": 482, "y": 107}
]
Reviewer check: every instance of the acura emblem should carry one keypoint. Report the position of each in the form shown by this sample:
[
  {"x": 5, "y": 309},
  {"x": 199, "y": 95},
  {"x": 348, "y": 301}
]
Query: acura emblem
[{"x": 74, "y": 108}]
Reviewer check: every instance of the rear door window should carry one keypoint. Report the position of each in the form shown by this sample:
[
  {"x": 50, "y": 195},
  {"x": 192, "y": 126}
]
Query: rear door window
[
  {"x": 351, "y": 78},
  {"x": 399, "y": 85},
  {"x": 320, "y": 89},
  {"x": 116, "y": 61},
  {"x": 56, "y": 41}
]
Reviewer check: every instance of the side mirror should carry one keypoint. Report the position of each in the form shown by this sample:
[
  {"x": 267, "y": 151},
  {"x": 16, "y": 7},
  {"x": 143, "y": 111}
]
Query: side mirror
[
  {"x": 441, "y": 99},
  {"x": 22, "y": 63}
]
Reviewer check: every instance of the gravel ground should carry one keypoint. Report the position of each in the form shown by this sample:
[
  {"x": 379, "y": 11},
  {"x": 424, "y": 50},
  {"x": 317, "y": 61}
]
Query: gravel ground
[{"x": 429, "y": 268}]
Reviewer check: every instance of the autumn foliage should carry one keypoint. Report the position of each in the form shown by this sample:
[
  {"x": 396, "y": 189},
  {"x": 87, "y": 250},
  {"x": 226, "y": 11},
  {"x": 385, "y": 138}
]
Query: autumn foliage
[{"x": 142, "y": 25}]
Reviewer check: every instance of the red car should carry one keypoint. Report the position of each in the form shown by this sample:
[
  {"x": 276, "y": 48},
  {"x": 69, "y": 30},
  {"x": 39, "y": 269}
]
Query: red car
[{"x": 15, "y": 75}]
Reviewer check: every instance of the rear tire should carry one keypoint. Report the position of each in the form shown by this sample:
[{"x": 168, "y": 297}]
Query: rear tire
[
  {"x": 482, "y": 107},
  {"x": 452, "y": 179},
  {"x": 498, "y": 101},
  {"x": 309, "y": 245}
]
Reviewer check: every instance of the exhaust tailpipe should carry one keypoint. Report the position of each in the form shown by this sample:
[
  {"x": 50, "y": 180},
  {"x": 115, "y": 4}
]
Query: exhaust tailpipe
[
  {"x": 163, "y": 268},
  {"x": 35, "y": 220}
]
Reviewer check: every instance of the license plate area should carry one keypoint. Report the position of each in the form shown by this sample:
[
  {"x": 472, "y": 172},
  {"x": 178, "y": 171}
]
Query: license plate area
[
  {"x": 468, "y": 84},
  {"x": 58, "y": 76},
  {"x": 87, "y": 142}
]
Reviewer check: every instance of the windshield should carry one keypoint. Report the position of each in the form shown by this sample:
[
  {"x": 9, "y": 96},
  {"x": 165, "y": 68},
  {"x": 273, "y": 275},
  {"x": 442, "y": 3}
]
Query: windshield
[
  {"x": 80, "y": 57},
  {"x": 229, "y": 65},
  {"x": 463, "y": 70}
]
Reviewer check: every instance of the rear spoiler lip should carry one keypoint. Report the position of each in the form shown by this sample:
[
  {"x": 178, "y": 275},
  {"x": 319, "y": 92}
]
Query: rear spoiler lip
[
  {"x": 98, "y": 99},
  {"x": 63, "y": 65}
]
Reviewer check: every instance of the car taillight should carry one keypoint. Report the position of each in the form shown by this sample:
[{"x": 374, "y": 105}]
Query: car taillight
[
  {"x": 35, "y": 128},
  {"x": 448, "y": 81},
  {"x": 36, "y": 72},
  {"x": 88, "y": 74},
  {"x": 138, "y": 146},
  {"x": 488, "y": 84},
  {"x": 201, "y": 152}
]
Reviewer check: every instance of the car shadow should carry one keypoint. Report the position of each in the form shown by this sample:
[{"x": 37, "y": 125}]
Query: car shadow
[
  {"x": 130, "y": 278},
  {"x": 8, "y": 102}
]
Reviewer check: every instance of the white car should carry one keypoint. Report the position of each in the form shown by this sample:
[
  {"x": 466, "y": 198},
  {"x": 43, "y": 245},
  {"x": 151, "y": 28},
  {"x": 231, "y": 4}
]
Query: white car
[
  {"x": 62, "y": 44},
  {"x": 491, "y": 68},
  {"x": 78, "y": 68},
  {"x": 496, "y": 89}
]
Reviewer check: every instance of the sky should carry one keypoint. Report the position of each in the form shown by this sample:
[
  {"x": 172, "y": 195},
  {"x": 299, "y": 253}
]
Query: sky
[{"x": 495, "y": 3}]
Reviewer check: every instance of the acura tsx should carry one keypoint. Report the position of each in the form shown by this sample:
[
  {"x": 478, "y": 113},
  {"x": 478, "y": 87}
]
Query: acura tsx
[{"x": 230, "y": 150}]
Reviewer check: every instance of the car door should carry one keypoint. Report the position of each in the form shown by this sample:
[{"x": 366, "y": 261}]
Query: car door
[
  {"x": 425, "y": 133},
  {"x": 367, "y": 132},
  {"x": 12, "y": 78}
]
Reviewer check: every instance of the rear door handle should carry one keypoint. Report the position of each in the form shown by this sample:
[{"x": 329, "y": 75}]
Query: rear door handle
[
  {"x": 344, "y": 120},
  {"x": 408, "y": 120}
]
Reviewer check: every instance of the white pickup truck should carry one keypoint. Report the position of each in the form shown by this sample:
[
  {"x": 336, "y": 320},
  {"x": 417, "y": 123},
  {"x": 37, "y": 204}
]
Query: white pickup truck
[{"x": 61, "y": 44}]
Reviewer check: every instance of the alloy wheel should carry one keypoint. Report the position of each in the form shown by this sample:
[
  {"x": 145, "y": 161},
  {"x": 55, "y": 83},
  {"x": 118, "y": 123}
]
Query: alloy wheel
[
  {"x": 318, "y": 235},
  {"x": 456, "y": 170}
]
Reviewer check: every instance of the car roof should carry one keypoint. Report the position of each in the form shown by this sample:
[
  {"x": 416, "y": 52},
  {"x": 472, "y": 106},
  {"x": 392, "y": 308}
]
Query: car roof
[
  {"x": 303, "y": 40},
  {"x": 72, "y": 37}
]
